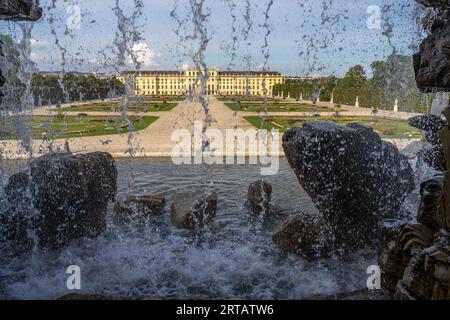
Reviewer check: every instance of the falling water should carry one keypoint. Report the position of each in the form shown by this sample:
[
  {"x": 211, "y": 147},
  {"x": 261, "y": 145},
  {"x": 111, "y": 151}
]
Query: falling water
[
  {"x": 266, "y": 55},
  {"x": 25, "y": 72},
  {"x": 232, "y": 8},
  {"x": 246, "y": 34},
  {"x": 126, "y": 37},
  {"x": 61, "y": 48},
  {"x": 129, "y": 258},
  {"x": 200, "y": 33}
]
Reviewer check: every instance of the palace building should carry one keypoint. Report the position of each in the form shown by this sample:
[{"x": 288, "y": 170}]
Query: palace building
[{"x": 186, "y": 81}]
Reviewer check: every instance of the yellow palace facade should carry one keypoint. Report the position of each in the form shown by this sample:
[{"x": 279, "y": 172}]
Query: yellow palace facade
[{"x": 186, "y": 81}]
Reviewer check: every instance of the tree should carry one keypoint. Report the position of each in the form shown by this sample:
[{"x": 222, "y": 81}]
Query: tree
[
  {"x": 13, "y": 88},
  {"x": 355, "y": 78},
  {"x": 47, "y": 90}
]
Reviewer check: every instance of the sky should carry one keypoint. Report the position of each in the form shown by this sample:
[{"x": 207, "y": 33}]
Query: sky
[{"x": 304, "y": 37}]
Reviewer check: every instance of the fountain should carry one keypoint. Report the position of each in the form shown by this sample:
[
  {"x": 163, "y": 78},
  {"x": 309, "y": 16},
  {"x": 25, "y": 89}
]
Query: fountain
[
  {"x": 353, "y": 177},
  {"x": 415, "y": 257}
]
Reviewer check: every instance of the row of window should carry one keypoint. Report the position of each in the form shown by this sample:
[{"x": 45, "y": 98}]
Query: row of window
[
  {"x": 230, "y": 92},
  {"x": 209, "y": 88},
  {"x": 241, "y": 81}
]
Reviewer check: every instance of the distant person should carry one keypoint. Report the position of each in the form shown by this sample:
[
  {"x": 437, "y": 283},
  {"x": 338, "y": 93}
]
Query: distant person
[
  {"x": 44, "y": 137},
  {"x": 66, "y": 146}
]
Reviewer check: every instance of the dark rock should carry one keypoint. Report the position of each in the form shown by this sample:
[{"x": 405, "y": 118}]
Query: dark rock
[
  {"x": 432, "y": 62},
  {"x": 433, "y": 157},
  {"x": 445, "y": 137},
  {"x": 419, "y": 280},
  {"x": 13, "y": 229},
  {"x": 428, "y": 122},
  {"x": 193, "y": 209},
  {"x": 258, "y": 197},
  {"x": 392, "y": 268},
  {"x": 20, "y": 10},
  {"x": 388, "y": 231},
  {"x": 89, "y": 297},
  {"x": 67, "y": 196},
  {"x": 435, "y": 3},
  {"x": 355, "y": 178},
  {"x": 402, "y": 293},
  {"x": 132, "y": 207},
  {"x": 356, "y": 295},
  {"x": 431, "y": 211},
  {"x": 431, "y": 124},
  {"x": 304, "y": 235},
  {"x": 390, "y": 258}
]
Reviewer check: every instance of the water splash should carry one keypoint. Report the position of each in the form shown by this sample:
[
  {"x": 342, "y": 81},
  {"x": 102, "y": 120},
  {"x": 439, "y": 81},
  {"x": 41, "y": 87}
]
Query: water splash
[
  {"x": 246, "y": 35},
  {"x": 200, "y": 34},
  {"x": 25, "y": 71},
  {"x": 266, "y": 55},
  {"x": 126, "y": 37},
  {"x": 62, "y": 49},
  {"x": 234, "y": 37}
]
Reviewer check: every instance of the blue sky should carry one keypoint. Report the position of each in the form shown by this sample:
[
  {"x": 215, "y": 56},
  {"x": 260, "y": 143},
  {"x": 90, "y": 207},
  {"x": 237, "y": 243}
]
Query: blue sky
[{"x": 331, "y": 39}]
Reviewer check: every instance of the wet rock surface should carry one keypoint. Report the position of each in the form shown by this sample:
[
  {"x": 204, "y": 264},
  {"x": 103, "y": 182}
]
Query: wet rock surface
[
  {"x": 432, "y": 62},
  {"x": 354, "y": 178},
  {"x": 416, "y": 265},
  {"x": 305, "y": 235},
  {"x": 431, "y": 211},
  {"x": 431, "y": 125},
  {"x": 132, "y": 207},
  {"x": 63, "y": 196},
  {"x": 20, "y": 10},
  {"x": 193, "y": 209},
  {"x": 17, "y": 10},
  {"x": 445, "y": 137},
  {"x": 435, "y": 3},
  {"x": 258, "y": 197}
]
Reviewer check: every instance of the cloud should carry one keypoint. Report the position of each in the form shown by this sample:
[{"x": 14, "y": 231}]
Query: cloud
[
  {"x": 35, "y": 56},
  {"x": 144, "y": 55},
  {"x": 38, "y": 43}
]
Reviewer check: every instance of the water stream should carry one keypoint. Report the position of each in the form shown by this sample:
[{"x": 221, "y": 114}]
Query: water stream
[{"x": 235, "y": 258}]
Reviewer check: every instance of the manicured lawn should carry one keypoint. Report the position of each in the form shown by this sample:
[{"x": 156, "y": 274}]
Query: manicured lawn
[
  {"x": 115, "y": 107},
  {"x": 277, "y": 106},
  {"x": 248, "y": 99},
  {"x": 387, "y": 128},
  {"x": 73, "y": 126},
  {"x": 164, "y": 98}
]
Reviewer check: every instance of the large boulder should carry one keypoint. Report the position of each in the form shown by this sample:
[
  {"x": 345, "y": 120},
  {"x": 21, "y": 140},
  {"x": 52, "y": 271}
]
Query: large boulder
[
  {"x": 354, "y": 178},
  {"x": 431, "y": 125},
  {"x": 432, "y": 62},
  {"x": 305, "y": 235},
  {"x": 20, "y": 10},
  {"x": 445, "y": 137},
  {"x": 131, "y": 207},
  {"x": 432, "y": 211},
  {"x": 390, "y": 254},
  {"x": 435, "y": 3},
  {"x": 258, "y": 197},
  {"x": 193, "y": 209},
  {"x": 63, "y": 196}
]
